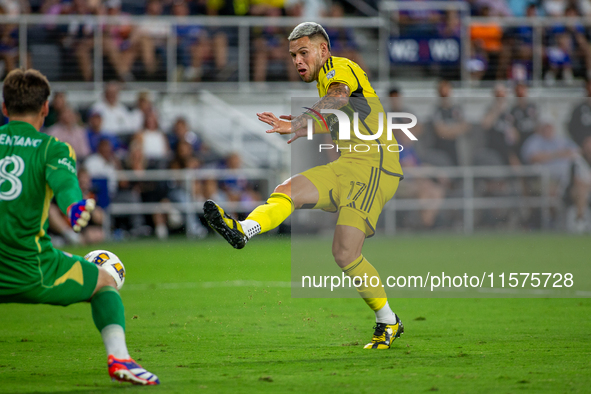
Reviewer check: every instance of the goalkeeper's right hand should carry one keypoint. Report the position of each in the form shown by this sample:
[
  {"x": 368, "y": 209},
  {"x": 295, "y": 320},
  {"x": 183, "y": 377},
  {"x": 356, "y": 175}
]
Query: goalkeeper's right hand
[{"x": 79, "y": 213}]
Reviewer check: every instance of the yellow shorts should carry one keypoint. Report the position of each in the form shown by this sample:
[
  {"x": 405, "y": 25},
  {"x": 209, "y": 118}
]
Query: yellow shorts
[{"x": 357, "y": 191}]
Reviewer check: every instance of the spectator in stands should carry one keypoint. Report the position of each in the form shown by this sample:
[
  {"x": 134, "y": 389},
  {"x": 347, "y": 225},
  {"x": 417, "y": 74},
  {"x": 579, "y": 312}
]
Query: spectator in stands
[
  {"x": 238, "y": 188},
  {"x": 210, "y": 191},
  {"x": 150, "y": 191},
  {"x": 568, "y": 171},
  {"x": 138, "y": 115},
  {"x": 515, "y": 58},
  {"x": 451, "y": 26},
  {"x": 57, "y": 104},
  {"x": 93, "y": 131},
  {"x": 103, "y": 165},
  {"x": 181, "y": 132},
  {"x": 192, "y": 43},
  {"x": 342, "y": 39},
  {"x": 269, "y": 44},
  {"x": 184, "y": 157},
  {"x": 495, "y": 7},
  {"x": 560, "y": 59},
  {"x": 490, "y": 34},
  {"x": 178, "y": 193},
  {"x": 68, "y": 130},
  {"x": 220, "y": 37},
  {"x": 579, "y": 126},
  {"x": 478, "y": 62},
  {"x": 153, "y": 36},
  {"x": 153, "y": 142},
  {"x": 396, "y": 105},
  {"x": 489, "y": 37},
  {"x": 80, "y": 36},
  {"x": 430, "y": 192},
  {"x": 418, "y": 21},
  {"x": 9, "y": 51},
  {"x": 197, "y": 44},
  {"x": 569, "y": 51},
  {"x": 501, "y": 135},
  {"x": 114, "y": 114},
  {"x": 519, "y": 7},
  {"x": 449, "y": 125},
  {"x": 121, "y": 42},
  {"x": 555, "y": 8},
  {"x": 525, "y": 115}
]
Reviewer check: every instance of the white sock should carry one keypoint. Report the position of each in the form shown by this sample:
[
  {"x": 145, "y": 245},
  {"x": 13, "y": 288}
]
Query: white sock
[
  {"x": 250, "y": 227},
  {"x": 114, "y": 340},
  {"x": 385, "y": 315}
]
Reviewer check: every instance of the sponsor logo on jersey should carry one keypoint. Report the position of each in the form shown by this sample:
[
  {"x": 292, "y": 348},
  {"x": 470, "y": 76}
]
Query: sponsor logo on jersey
[
  {"x": 330, "y": 75},
  {"x": 65, "y": 162}
]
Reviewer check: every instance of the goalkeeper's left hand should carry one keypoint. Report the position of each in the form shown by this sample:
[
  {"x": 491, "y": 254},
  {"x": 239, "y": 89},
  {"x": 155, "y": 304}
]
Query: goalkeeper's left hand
[{"x": 79, "y": 213}]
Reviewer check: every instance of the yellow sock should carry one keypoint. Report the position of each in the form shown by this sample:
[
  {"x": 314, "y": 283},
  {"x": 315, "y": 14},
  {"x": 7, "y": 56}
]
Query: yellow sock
[
  {"x": 375, "y": 297},
  {"x": 270, "y": 215}
]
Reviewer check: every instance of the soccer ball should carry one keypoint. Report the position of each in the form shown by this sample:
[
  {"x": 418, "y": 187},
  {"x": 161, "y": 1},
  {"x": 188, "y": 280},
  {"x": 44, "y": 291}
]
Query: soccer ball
[{"x": 110, "y": 262}]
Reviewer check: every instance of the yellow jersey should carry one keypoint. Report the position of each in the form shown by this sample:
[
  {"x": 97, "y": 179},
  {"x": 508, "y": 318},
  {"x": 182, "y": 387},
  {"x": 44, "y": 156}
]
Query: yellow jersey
[{"x": 364, "y": 101}]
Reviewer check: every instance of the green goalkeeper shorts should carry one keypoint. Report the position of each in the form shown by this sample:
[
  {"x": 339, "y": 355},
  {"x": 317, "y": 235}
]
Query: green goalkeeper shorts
[{"x": 54, "y": 278}]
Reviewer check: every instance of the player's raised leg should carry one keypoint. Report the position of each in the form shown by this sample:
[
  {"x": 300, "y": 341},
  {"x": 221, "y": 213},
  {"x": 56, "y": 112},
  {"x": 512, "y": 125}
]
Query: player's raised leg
[
  {"x": 109, "y": 319},
  {"x": 346, "y": 249},
  {"x": 292, "y": 194}
]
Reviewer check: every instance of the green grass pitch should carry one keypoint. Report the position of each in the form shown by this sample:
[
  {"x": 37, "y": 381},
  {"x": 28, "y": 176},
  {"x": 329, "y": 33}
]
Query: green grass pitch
[{"x": 207, "y": 318}]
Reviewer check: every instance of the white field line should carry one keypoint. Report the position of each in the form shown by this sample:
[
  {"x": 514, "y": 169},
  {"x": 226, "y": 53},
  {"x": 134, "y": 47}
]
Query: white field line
[
  {"x": 204, "y": 285},
  {"x": 295, "y": 285}
]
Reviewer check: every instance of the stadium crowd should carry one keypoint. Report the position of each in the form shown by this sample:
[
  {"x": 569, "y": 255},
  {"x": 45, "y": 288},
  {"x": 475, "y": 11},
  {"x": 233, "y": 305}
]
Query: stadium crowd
[
  {"x": 114, "y": 137},
  {"x": 109, "y": 136},
  {"x": 138, "y": 51},
  {"x": 512, "y": 132}
]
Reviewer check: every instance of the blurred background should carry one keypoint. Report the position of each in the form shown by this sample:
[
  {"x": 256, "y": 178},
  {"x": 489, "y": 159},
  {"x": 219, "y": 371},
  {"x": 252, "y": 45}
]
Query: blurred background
[{"x": 158, "y": 99}]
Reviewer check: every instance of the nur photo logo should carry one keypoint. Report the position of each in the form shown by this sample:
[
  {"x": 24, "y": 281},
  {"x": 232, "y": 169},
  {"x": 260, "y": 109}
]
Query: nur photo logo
[{"x": 341, "y": 123}]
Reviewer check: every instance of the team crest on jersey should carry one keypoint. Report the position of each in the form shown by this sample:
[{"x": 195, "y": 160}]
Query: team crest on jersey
[{"x": 330, "y": 74}]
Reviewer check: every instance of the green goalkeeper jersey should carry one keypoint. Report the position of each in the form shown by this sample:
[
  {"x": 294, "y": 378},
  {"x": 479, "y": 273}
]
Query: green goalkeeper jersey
[{"x": 33, "y": 167}]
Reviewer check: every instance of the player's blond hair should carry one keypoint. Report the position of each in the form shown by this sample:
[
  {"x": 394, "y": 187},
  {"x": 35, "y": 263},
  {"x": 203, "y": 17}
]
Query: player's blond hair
[{"x": 310, "y": 30}]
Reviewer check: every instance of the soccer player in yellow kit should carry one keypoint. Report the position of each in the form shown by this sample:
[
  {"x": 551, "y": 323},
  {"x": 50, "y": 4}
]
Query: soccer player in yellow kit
[{"x": 357, "y": 185}]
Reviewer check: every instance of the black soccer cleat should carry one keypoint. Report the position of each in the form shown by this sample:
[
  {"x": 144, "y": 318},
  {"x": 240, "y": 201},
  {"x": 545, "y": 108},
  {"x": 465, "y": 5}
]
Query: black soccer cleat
[
  {"x": 385, "y": 334},
  {"x": 225, "y": 226}
]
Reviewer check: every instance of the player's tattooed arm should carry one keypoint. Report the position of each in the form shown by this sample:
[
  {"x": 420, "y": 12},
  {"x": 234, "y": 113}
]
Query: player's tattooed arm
[{"x": 337, "y": 96}]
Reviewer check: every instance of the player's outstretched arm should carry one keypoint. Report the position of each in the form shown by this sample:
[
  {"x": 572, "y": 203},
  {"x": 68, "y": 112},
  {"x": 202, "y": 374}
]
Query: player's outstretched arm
[
  {"x": 61, "y": 176},
  {"x": 337, "y": 96}
]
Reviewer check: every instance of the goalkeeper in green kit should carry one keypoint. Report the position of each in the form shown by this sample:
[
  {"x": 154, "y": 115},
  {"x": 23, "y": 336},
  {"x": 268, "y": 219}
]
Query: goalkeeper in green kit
[{"x": 34, "y": 168}]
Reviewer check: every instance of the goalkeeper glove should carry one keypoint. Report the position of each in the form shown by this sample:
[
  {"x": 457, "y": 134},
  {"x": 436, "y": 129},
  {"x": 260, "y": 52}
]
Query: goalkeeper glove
[{"x": 79, "y": 213}]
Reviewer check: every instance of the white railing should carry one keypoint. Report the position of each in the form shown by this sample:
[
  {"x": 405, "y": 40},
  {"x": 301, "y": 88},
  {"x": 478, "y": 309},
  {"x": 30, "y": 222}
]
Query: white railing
[
  {"x": 242, "y": 24},
  {"x": 185, "y": 179},
  {"x": 467, "y": 203},
  {"x": 384, "y": 26}
]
